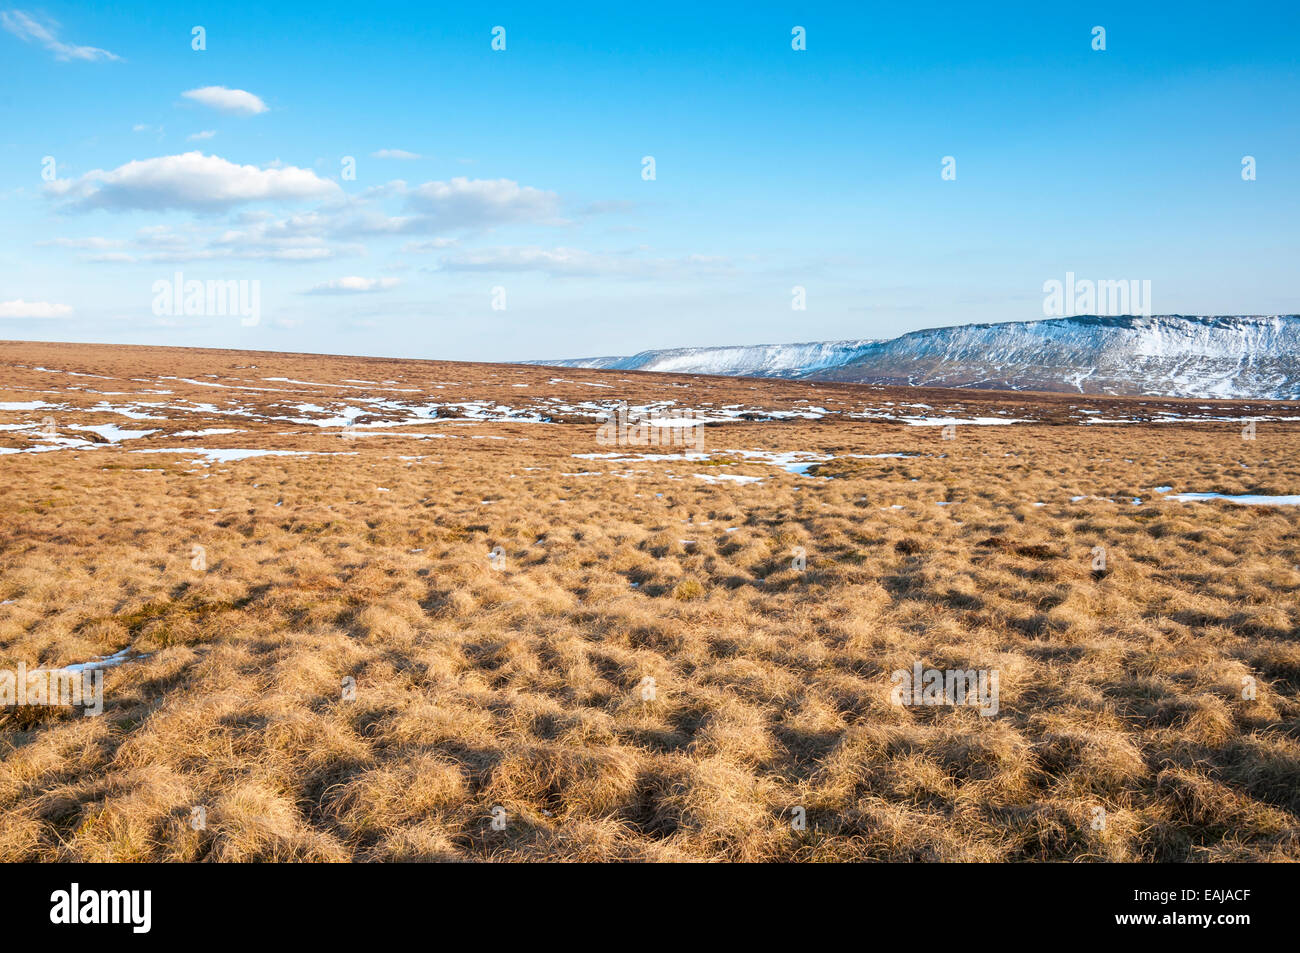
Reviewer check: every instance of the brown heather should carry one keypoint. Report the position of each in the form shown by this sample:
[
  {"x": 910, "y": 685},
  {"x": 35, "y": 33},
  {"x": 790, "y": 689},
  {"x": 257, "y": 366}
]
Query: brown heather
[{"x": 522, "y": 687}]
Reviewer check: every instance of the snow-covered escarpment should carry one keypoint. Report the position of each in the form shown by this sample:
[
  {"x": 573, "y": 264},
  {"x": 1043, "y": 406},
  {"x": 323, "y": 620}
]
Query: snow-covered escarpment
[
  {"x": 758, "y": 360},
  {"x": 1250, "y": 356}
]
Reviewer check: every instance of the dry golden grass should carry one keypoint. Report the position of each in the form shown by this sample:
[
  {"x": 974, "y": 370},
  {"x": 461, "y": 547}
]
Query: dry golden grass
[{"x": 524, "y": 688}]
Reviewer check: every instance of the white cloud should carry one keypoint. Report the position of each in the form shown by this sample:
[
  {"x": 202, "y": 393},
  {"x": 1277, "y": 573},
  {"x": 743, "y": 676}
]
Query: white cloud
[
  {"x": 29, "y": 29},
  {"x": 159, "y": 236},
  {"x": 395, "y": 154},
  {"x": 554, "y": 261},
  {"x": 190, "y": 181},
  {"x": 92, "y": 243},
  {"x": 288, "y": 255},
  {"x": 33, "y": 309},
  {"x": 469, "y": 203},
  {"x": 109, "y": 257},
  {"x": 438, "y": 207},
  {"x": 257, "y": 224},
  {"x": 608, "y": 207},
  {"x": 353, "y": 285},
  {"x": 227, "y": 100},
  {"x": 294, "y": 238},
  {"x": 377, "y": 224},
  {"x": 569, "y": 262},
  {"x": 251, "y": 235},
  {"x": 432, "y": 244},
  {"x": 205, "y": 134}
]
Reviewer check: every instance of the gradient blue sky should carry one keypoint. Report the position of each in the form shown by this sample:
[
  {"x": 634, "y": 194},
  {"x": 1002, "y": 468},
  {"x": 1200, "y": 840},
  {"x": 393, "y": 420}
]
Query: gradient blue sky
[{"x": 775, "y": 168}]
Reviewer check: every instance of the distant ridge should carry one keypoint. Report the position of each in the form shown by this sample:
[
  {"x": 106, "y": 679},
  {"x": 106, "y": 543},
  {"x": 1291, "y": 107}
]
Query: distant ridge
[
  {"x": 1172, "y": 355},
  {"x": 758, "y": 360}
]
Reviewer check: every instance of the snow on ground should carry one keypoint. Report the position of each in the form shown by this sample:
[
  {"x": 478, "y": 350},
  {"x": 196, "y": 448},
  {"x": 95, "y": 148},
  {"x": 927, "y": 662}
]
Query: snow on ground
[
  {"x": 792, "y": 461},
  {"x": 727, "y": 478},
  {"x": 112, "y": 432},
  {"x": 228, "y": 454},
  {"x": 104, "y": 661},
  {"x": 388, "y": 414},
  {"x": 1247, "y": 499}
]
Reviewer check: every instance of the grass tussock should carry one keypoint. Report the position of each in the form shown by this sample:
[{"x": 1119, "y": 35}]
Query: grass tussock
[{"x": 653, "y": 666}]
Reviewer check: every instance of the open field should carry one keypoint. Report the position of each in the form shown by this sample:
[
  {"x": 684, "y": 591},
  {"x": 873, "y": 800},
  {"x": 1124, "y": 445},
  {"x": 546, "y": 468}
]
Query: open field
[{"x": 673, "y": 648}]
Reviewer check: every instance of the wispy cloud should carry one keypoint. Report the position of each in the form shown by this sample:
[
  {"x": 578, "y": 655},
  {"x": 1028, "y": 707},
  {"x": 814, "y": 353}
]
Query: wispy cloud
[
  {"x": 435, "y": 216},
  {"x": 27, "y": 28},
  {"x": 33, "y": 309},
  {"x": 573, "y": 262},
  {"x": 553, "y": 261},
  {"x": 431, "y": 244},
  {"x": 352, "y": 285},
  {"x": 482, "y": 202},
  {"x": 110, "y": 257},
  {"x": 258, "y": 237},
  {"x": 94, "y": 243},
  {"x": 395, "y": 154},
  {"x": 205, "y": 134},
  {"x": 457, "y": 205},
  {"x": 239, "y": 101}
]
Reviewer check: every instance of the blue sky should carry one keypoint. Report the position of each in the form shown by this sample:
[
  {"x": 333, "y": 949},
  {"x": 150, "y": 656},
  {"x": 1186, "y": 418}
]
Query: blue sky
[{"x": 774, "y": 168}]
